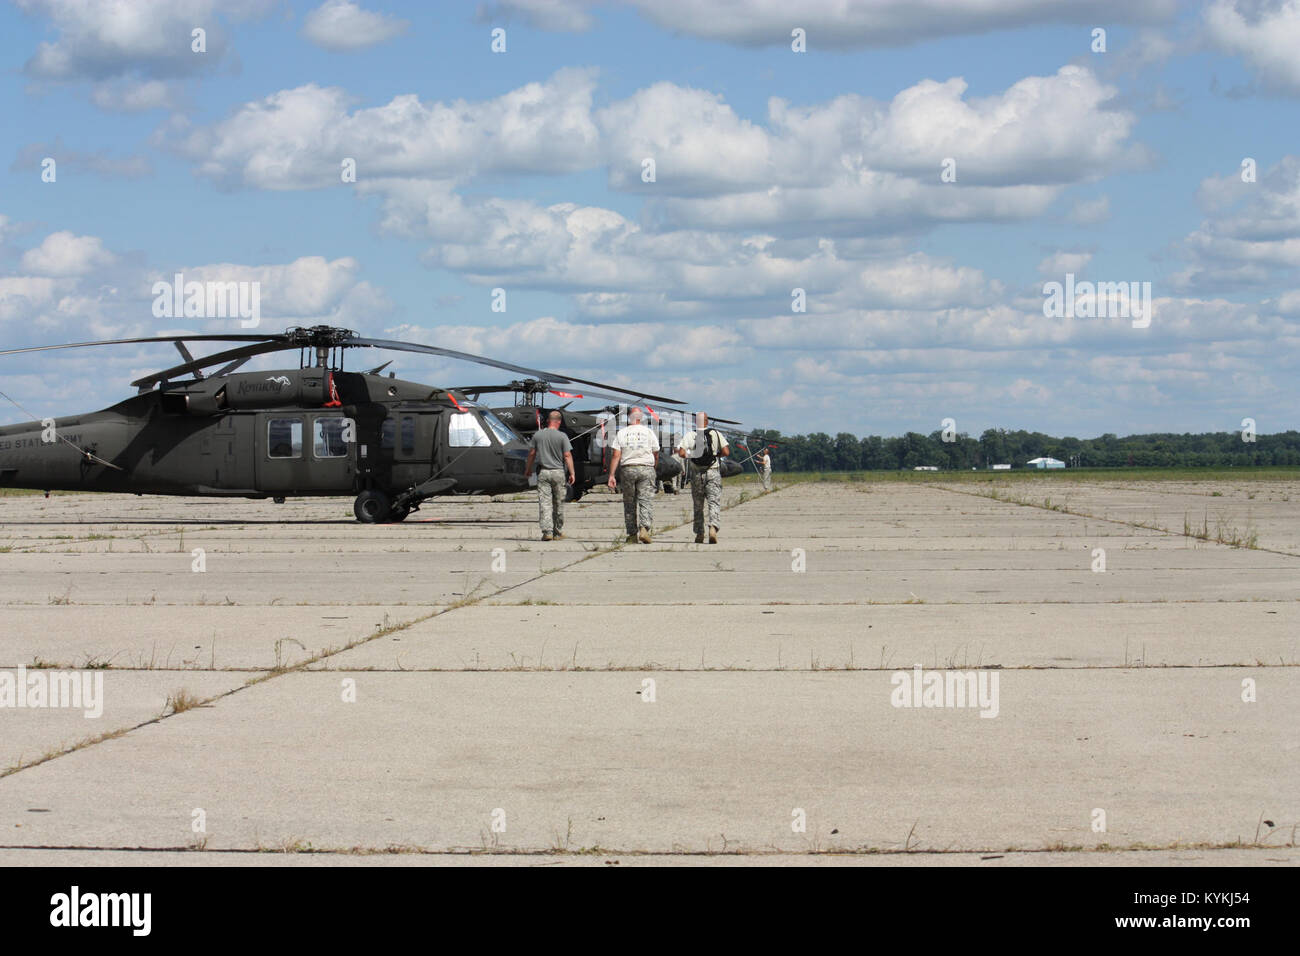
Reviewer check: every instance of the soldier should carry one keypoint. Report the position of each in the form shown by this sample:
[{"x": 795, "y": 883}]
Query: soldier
[
  {"x": 764, "y": 463},
  {"x": 704, "y": 448},
  {"x": 553, "y": 453},
  {"x": 636, "y": 455}
]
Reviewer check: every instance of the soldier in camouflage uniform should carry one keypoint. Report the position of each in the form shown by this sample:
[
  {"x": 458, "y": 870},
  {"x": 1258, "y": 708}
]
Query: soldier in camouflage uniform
[
  {"x": 553, "y": 453},
  {"x": 636, "y": 454},
  {"x": 703, "y": 449}
]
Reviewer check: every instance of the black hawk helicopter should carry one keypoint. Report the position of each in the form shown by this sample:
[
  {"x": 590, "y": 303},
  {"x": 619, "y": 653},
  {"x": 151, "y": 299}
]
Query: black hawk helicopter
[
  {"x": 591, "y": 430},
  {"x": 316, "y": 430}
]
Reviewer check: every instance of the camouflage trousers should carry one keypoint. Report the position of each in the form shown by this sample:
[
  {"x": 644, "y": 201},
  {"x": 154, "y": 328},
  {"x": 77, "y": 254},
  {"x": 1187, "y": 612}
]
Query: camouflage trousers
[
  {"x": 551, "y": 489},
  {"x": 638, "y": 485},
  {"x": 706, "y": 489}
]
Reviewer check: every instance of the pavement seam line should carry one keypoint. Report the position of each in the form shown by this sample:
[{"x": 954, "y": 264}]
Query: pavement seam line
[
  {"x": 414, "y": 850},
  {"x": 1129, "y": 524}
]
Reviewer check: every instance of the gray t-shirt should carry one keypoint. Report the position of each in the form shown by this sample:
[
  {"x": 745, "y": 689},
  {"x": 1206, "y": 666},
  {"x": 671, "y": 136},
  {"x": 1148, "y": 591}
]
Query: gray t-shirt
[{"x": 551, "y": 444}]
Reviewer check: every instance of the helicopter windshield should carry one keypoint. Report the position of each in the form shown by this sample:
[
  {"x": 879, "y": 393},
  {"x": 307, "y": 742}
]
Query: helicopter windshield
[{"x": 499, "y": 428}]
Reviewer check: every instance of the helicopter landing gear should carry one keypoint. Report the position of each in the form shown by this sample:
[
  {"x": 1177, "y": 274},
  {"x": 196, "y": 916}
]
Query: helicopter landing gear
[
  {"x": 278, "y": 499},
  {"x": 398, "y": 512},
  {"x": 372, "y": 506}
]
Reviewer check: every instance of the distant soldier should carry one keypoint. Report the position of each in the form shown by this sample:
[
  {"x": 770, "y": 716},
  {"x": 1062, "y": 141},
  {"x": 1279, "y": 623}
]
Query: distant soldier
[
  {"x": 553, "y": 453},
  {"x": 636, "y": 455},
  {"x": 764, "y": 463},
  {"x": 703, "y": 449}
]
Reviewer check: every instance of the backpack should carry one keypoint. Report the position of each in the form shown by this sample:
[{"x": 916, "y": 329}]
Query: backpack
[{"x": 709, "y": 458}]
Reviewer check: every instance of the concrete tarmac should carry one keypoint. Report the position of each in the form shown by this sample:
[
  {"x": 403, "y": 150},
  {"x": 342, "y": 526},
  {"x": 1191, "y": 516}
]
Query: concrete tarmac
[{"x": 452, "y": 690}]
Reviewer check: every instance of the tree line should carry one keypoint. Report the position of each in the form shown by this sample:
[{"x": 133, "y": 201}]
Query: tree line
[{"x": 997, "y": 446}]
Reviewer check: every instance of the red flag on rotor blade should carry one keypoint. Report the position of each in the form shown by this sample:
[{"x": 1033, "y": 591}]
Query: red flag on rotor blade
[
  {"x": 454, "y": 402},
  {"x": 652, "y": 412},
  {"x": 565, "y": 394}
]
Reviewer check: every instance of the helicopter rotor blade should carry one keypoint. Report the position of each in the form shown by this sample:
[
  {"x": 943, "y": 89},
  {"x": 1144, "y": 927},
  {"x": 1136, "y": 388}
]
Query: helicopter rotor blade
[
  {"x": 155, "y": 338},
  {"x": 226, "y": 370},
  {"x": 643, "y": 396},
  {"x": 322, "y": 337},
  {"x": 217, "y": 358},
  {"x": 357, "y": 341},
  {"x": 484, "y": 389},
  {"x": 551, "y": 377}
]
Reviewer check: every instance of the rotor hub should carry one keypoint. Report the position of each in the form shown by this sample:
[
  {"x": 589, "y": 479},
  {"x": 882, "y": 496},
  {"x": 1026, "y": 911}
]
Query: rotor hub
[{"x": 318, "y": 336}]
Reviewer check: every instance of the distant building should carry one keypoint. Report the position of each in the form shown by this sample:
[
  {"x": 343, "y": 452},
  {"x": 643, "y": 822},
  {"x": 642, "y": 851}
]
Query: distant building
[
  {"x": 1046, "y": 463},
  {"x": 926, "y": 468},
  {"x": 1001, "y": 467}
]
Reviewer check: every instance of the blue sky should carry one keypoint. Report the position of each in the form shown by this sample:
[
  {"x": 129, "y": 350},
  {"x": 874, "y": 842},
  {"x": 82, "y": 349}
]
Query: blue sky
[{"x": 774, "y": 170}]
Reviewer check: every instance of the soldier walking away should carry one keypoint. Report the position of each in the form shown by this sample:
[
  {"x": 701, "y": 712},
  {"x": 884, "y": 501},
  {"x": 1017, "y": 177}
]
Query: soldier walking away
[
  {"x": 553, "y": 453},
  {"x": 703, "y": 449},
  {"x": 764, "y": 463},
  {"x": 636, "y": 456}
]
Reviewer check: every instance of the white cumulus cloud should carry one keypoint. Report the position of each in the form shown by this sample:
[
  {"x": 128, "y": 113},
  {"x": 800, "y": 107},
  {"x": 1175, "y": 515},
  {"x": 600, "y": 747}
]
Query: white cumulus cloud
[
  {"x": 65, "y": 254},
  {"x": 1265, "y": 34},
  {"x": 341, "y": 25}
]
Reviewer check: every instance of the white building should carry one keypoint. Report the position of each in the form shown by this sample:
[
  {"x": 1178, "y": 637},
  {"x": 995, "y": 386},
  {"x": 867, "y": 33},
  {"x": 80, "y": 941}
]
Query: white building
[{"x": 1046, "y": 463}]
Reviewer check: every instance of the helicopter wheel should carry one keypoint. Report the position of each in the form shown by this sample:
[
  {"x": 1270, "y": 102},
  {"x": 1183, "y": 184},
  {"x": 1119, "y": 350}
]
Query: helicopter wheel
[
  {"x": 399, "y": 513},
  {"x": 371, "y": 506}
]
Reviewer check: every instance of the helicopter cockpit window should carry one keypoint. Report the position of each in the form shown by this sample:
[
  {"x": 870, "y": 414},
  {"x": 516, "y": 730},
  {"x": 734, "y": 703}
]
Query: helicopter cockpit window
[
  {"x": 329, "y": 441},
  {"x": 284, "y": 438},
  {"x": 388, "y": 435},
  {"x": 464, "y": 431},
  {"x": 499, "y": 428},
  {"x": 408, "y": 434}
]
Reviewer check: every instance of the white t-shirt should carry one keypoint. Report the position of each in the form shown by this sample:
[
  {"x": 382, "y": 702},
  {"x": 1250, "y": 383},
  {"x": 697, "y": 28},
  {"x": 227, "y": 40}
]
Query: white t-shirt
[
  {"x": 688, "y": 445},
  {"x": 638, "y": 445}
]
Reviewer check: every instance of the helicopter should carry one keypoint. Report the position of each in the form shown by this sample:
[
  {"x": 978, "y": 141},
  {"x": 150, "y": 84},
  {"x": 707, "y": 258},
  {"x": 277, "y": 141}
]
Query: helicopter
[
  {"x": 592, "y": 430},
  {"x": 312, "y": 431}
]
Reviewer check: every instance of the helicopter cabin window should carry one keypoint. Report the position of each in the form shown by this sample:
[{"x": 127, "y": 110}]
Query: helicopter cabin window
[
  {"x": 464, "y": 431},
  {"x": 284, "y": 438},
  {"x": 329, "y": 438},
  {"x": 388, "y": 434}
]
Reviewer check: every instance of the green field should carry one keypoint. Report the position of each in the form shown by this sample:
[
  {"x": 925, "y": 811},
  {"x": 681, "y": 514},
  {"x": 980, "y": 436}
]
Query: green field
[{"x": 1261, "y": 473}]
